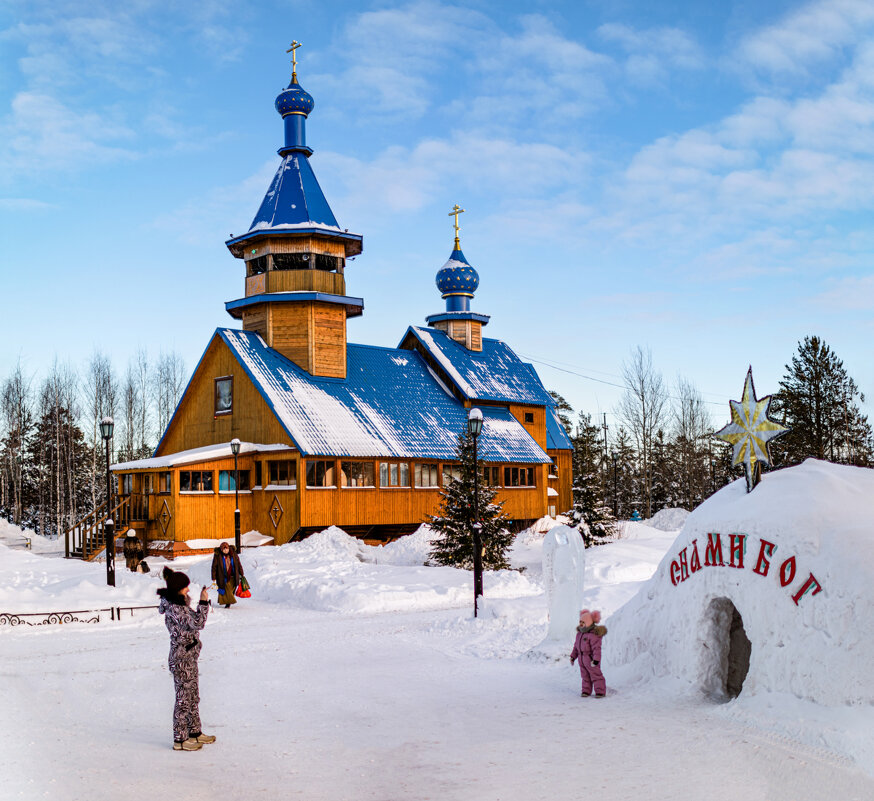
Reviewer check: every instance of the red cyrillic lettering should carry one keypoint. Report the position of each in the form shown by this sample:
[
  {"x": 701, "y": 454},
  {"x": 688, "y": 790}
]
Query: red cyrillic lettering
[
  {"x": 695, "y": 561},
  {"x": 675, "y": 573},
  {"x": 787, "y": 571},
  {"x": 811, "y": 581},
  {"x": 684, "y": 567},
  {"x": 714, "y": 550},
  {"x": 763, "y": 565},
  {"x": 738, "y": 549}
]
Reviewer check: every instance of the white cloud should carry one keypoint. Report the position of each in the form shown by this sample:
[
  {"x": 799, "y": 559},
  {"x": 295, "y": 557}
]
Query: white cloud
[
  {"x": 401, "y": 179},
  {"x": 41, "y": 134},
  {"x": 851, "y": 293},
  {"x": 807, "y": 37},
  {"x": 653, "y": 53}
]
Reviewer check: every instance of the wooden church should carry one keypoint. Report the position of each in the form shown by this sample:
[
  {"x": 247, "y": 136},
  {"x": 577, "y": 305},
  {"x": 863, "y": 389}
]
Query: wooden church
[{"x": 334, "y": 433}]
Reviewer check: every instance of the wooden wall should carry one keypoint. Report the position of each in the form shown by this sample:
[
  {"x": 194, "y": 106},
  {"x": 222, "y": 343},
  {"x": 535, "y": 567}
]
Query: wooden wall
[
  {"x": 565, "y": 481},
  {"x": 296, "y": 281},
  {"x": 195, "y": 423},
  {"x": 312, "y": 335}
]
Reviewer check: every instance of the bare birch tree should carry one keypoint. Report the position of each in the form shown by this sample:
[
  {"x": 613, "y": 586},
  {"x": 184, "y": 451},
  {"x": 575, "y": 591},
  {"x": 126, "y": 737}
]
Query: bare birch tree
[
  {"x": 692, "y": 430},
  {"x": 101, "y": 394},
  {"x": 169, "y": 382},
  {"x": 643, "y": 409}
]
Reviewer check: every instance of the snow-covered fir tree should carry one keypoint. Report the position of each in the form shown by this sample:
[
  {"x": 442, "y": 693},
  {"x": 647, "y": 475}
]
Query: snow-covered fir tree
[
  {"x": 590, "y": 514},
  {"x": 453, "y": 526}
]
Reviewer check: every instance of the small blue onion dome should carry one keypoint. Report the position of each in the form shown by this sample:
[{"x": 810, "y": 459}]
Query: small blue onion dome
[
  {"x": 457, "y": 276},
  {"x": 294, "y": 98}
]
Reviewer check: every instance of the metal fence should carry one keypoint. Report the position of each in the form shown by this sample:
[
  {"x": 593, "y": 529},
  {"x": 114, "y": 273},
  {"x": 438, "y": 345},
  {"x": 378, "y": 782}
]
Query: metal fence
[{"x": 59, "y": 618}]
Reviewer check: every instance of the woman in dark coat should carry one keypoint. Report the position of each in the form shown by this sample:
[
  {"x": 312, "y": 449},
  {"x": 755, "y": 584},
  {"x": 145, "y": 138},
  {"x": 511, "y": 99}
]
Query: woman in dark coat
[
  {"x": 184, "y": 623},
  {"x": 226, "y": 573}
]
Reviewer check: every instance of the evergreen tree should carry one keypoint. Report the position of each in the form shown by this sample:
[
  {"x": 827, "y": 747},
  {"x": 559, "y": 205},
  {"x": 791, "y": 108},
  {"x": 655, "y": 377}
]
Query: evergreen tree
[
  {"x": 817, "y": 399},
  {"x": 663, "y": 473},
  {"x": 628, "y": 492},
  {"x": 564, "y": 411},
  {"x": 590, "y": 514},
  {"x": 453, "y": 544}
]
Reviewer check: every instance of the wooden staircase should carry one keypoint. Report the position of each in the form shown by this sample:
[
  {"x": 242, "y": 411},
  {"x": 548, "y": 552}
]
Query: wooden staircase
[{"x": 87, "y": 538}]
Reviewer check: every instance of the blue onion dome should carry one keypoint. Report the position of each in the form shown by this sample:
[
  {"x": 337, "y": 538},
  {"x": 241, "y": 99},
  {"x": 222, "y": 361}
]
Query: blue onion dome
[
  {"x": 457, "y": 276},
  {"x": 294, "y": 98}
]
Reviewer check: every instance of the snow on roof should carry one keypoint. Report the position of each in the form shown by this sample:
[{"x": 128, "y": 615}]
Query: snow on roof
[
  {"x": 495, "y": 374},
  {"x": 389, "y": 404},
  {"x": 220, "y": 451},
  {"x": 556, "y": 435},
  {"x": 795, "y": 558}
]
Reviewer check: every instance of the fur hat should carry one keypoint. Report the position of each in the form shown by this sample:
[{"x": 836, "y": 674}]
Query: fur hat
[{"x": 176, "y": 580}]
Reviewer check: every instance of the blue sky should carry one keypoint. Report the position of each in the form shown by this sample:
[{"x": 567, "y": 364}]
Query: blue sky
[{"x": 693, "y": 177}]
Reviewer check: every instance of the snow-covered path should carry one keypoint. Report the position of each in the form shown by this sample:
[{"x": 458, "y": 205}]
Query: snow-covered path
[{"x": 322, "y": 705}]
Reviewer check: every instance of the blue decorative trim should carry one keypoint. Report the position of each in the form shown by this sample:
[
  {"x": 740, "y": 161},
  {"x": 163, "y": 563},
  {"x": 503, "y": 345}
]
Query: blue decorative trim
[
  {"x": 460, "y": 315},
  {"x": 354, "y": 305}
]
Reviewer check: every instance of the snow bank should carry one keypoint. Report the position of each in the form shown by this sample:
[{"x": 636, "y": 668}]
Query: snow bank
[
  {"x": 333, "y": 572},
  {"x": 668, "y": 519},
  {"x": 795, "y": 558}
]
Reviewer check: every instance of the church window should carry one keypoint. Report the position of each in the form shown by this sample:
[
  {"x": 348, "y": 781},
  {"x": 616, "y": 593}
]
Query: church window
[
  {"x": 292, "y": 261},
  {"x": 450, "y": 472},
  {"x": 519, "y": 477},
  {"x": 330, "y": 264},
  {"x": 394, "y": 474},
  {"x": 195, "y": 481},
  {"x": 226, "y": 480},
  {"x": 492, "y": 476},
  {"x": 283, "y": 473},
  {"x": 165, "y": 482},
  {"x": 224, "y": 395},
  {"x": 427, "y": 475},
  {"x": 320, "y": 473},
  {"x": 257, "y": 266},
  {"x": 356, "y": 474}
]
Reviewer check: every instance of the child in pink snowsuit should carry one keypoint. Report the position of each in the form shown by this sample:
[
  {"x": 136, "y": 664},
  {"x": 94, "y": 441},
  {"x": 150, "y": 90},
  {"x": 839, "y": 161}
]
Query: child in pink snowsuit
[{"x": 587, "y": 648}]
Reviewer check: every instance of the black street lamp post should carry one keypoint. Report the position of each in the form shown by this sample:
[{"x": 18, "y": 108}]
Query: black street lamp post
[
  {"x": 107, "y": 426},
  {"x": 615, "y": 508},
  {"x": 474, "y": 427},
  {"x": 235, "y": 449}
]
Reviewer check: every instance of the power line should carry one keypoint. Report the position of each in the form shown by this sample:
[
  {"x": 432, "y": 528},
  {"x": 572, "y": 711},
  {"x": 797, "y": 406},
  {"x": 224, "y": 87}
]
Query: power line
[{"x": 608, "y": 383}]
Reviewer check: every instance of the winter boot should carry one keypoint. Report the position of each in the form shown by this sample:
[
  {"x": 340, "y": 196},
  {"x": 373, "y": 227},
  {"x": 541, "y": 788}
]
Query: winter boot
[
  {"x": 584, "y": 694},
  {"x": 203, "y": 738},
  {"x": 191, "y": 744}
]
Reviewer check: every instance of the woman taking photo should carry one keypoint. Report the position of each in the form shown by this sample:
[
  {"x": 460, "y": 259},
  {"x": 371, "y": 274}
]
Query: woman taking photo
[{"x": 184, "y": 623}]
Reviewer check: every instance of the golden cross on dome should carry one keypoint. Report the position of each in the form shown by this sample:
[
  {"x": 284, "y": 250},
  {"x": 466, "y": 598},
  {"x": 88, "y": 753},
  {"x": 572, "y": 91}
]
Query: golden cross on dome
[
  {"x": 456, "y": 210},
  {"x": 293, "y": 50}
]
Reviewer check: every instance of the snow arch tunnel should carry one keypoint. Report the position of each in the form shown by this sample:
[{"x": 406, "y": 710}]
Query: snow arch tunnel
[{"x": 771, "y": 591}]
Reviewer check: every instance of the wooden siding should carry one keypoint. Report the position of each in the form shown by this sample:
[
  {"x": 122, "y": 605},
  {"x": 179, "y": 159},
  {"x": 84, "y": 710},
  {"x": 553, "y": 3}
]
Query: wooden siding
[
  {"x": 464, "y": 332},
  {"x": 312, "y": 335},
  {"x": 297, "y": 244},
  {"x": 289, "y": 330},
  {"x": 565, "y": 481},
  {"x": 195, "y": 423},
  {"x": 296, "y": 281}
]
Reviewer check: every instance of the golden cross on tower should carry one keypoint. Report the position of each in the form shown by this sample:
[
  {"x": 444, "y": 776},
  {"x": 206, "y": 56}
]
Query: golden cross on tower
[
  {"x": 293, "y": 50},
  {"x": 456, "y": 210}
]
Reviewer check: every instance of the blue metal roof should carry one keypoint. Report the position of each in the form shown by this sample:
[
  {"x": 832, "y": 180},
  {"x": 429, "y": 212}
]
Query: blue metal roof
[
  {"x": 389, "y": 404},
  {"x": 494, "y": 374},
  {"x": 556, "y": 435},
  {"x": 294, "y": 197}
]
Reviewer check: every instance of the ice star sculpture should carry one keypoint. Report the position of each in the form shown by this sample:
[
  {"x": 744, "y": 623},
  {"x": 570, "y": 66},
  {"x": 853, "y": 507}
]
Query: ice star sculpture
[{"x": 750, "y": 431}]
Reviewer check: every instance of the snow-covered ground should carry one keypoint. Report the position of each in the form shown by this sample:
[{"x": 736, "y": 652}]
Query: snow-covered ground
[{"x": 357, "y": 673}]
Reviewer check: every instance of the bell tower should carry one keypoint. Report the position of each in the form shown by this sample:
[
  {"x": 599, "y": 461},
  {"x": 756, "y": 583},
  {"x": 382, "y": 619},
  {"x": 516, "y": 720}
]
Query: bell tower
[
  {"x": 457, "y": 282},
  {"x": 295, "y": 255}
]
